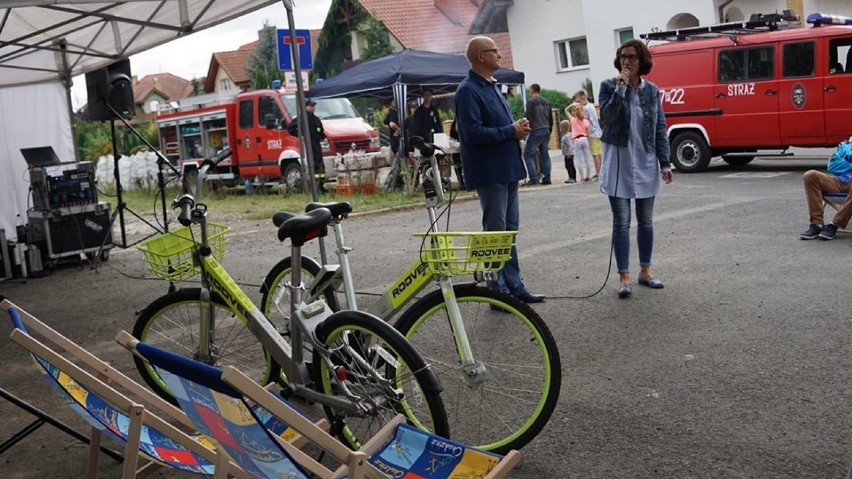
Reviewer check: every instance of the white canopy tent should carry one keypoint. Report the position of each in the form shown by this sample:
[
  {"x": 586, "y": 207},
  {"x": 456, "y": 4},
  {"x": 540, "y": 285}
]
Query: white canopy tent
[{"x": 45, "y": 43}]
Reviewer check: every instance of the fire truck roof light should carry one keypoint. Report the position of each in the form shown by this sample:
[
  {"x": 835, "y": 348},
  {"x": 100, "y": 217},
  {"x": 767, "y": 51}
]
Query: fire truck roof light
[{"x": 818, "y": 19}]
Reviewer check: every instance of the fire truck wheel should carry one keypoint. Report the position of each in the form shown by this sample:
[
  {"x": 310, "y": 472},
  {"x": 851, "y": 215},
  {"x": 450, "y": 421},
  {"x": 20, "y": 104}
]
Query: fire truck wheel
[
  {"x": 690, "y": 153},
  {"x": 292, "y": 176}
]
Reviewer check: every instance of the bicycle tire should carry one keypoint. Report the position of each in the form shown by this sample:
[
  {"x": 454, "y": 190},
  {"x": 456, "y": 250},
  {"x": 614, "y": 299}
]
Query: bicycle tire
[
  {"x": 171, "y": 323},
  {"x": 522, "y": 378},
  {"x": 275, "y": 303},
  {"x": 380, "y": 344}
]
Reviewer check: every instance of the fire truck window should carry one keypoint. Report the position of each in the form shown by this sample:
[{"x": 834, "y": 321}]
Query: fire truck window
[
  {"x": 267, "y": 106},
  {"x": 799, "y": 59},
  {"x": 760, "y": 63},
  {"x": 840, "y": 49},
  {"x": 246, "y": 117},
  {"x": 731, "y": 64}
]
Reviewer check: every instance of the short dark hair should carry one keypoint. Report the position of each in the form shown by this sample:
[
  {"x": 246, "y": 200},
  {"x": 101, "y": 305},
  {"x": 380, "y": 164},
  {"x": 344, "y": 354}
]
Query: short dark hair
[
  {"x": 535, "y": 88},
  {"x": 645, "y": 60}
]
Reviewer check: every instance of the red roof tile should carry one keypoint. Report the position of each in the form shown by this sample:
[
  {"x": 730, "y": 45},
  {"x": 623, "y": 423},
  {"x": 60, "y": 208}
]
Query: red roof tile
[
  {"x": 170, "y": 87},
  {"x": 421, "y": 25}
]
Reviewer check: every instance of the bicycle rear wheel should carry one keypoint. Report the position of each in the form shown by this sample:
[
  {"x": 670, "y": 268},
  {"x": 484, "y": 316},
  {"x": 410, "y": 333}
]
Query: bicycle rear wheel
[
  {"x": 381, "y": 369},
  {"x": 275, "y": 304},
  {"x": 518, "y": 390},
  {"x": 172, "y": 323}
]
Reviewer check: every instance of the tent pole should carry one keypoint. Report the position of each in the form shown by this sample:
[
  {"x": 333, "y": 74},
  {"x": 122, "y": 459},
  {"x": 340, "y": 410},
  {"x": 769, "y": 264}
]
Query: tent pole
[
  {"x": 303, "y": 114},
  {"x": 65, "y": 78}
]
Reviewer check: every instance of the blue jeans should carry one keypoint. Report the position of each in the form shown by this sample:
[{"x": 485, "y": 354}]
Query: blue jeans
[
  {"x": 537, "y": 140},
  {"x": 500, "y": 212},
  {"x": 621, "y": 230}
]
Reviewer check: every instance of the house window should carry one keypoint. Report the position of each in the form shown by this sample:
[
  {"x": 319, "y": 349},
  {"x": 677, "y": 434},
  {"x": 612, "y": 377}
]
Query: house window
[
  {"x": 624, "y": 35},
  {"x": 225, "y": 84},
  {"x": 572, "y": 53},
  {"x": 154, "y": 105}
]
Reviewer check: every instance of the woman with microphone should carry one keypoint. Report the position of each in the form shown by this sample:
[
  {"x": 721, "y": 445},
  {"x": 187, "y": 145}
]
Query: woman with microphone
[{"x": 635, "y": 158}]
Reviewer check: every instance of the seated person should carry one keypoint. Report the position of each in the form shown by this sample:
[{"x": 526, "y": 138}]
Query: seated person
[{"x": 836, "y": 180}]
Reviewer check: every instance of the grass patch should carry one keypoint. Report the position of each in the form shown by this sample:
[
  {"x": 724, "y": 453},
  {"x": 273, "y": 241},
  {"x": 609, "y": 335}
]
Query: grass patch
[{"x": 264, "y": 202}]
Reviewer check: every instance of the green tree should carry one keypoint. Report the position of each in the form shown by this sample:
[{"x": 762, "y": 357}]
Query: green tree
[
  {"x": 558, "y": 100},
  {"x": 263, "y": 63},
  {"x": 335, "y": 40},
  {"x": 378, "y": 43},
  {"x": 197, "y": 86}
]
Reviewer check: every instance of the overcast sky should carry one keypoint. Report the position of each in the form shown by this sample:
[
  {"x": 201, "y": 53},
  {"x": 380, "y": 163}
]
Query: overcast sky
[{"x": 189, "y": 57}]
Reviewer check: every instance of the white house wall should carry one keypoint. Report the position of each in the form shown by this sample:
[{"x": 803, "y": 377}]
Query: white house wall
[{"x": 535, "y": 26}]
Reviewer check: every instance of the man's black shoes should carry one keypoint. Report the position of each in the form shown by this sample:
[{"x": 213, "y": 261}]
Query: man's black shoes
[{"x": 528, "y": 297}]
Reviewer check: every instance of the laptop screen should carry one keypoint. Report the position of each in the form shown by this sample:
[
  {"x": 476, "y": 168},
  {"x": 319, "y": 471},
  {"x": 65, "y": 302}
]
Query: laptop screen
[{"x": 40, "y": 156}]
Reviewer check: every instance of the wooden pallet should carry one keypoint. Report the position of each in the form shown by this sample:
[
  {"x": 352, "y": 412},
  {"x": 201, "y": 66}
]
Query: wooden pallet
[{"x": 350, "y": 190}]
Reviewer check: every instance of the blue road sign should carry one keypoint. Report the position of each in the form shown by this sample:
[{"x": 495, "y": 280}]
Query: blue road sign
[{"x": 285, "y": 58}]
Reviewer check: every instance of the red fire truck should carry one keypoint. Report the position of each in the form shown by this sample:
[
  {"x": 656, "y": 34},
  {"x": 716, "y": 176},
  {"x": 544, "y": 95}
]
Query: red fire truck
[
  {"x": 737, "y": 88},
  {"x": 254, "y": 125}
]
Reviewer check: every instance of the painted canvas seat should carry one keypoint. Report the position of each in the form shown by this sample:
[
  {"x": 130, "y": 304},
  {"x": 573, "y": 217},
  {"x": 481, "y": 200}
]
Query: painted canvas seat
[{"x": 225, "y": 404}]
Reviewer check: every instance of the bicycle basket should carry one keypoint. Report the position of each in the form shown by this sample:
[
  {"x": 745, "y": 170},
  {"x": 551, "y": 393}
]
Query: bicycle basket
[
  {"x": 465, "y": 253},
  {"x": 169, "y": 255}
]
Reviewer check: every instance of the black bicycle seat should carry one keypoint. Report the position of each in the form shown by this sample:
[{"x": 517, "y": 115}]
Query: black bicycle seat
[
  {"x": 305, "y": 226},
  {"x": 278, "y": 219},
  {"x": 339, "y": 209}
]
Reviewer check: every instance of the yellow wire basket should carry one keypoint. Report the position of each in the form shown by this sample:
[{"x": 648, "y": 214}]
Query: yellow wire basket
[
  {"x": 465, "y": 252},
  {"x": 169, "y": 255}
]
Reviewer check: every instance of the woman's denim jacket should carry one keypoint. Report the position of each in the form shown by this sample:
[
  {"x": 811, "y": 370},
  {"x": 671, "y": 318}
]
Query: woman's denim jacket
[{"x": 615, "y": 118}]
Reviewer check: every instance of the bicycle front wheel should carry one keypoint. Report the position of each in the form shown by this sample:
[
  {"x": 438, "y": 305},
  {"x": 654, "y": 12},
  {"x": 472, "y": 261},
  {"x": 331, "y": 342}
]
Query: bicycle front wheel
[
  {"x": 370, "y": 363},
  {"x": 507, "y": 397},
  {"x": 173, "y": 322}
]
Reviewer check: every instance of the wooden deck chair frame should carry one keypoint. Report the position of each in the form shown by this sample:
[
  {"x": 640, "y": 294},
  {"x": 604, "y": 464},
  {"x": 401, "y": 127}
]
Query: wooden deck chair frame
[
  {"x": 354, "y": 464},
  {"x": 137, "y": 413}
]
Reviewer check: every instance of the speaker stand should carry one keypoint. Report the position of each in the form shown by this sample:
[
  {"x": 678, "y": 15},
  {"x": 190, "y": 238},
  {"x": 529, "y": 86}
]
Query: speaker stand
[{"x": 122, "y": 206}]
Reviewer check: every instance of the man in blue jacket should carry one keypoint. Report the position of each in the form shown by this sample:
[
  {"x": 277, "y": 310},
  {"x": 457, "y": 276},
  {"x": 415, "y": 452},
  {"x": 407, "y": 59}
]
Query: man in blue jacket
[
  {"x": 818, "y": 183},
  {"x": 490, "y": 146}
]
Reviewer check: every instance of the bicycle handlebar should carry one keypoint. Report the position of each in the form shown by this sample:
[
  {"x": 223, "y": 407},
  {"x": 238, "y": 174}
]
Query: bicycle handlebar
[{"x": 187, "y": 201}]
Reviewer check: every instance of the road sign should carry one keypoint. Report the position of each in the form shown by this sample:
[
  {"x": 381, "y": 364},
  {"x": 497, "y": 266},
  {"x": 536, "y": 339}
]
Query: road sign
[
  {"x": 303, "y": 40},
  {"x": 290, "y": 81}
]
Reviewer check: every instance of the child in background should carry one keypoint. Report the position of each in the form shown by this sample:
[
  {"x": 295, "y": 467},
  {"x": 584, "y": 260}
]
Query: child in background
[
  {"x": 580, "y": 134},
  {"x": 568, "y": 150}
]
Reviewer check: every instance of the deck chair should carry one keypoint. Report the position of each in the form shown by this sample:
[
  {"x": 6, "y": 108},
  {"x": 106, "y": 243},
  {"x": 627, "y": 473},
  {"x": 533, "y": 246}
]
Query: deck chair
[
  {"x": 835, "y": 199},
  {"x": 220, "y": 401},
  {"x": 110, "y": 413}
]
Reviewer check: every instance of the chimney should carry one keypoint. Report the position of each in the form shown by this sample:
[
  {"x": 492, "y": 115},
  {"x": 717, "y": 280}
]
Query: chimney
[{"x": 450, "y": 9}]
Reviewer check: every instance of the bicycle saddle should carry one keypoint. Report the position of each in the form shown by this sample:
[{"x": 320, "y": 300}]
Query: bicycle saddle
[
  {"x": 306, "y": 226},
  {"x": 278, "y": 219},
  {"x": 339, "y": 209}
]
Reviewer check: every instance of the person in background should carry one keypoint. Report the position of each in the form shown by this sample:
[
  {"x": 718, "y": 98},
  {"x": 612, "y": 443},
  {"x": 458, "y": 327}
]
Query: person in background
[
  {"x": 316, "y": 133},
  {"x": 595, "y": 144},
  {"x": 580, "y": 136},
  {"x": 394, "y": 130},
  {"x": 635, "y": 159},
  {"x": 540, "y": 116},
  {"x": 491, "y": 154},
  {"x": 567, "y": 146},
  {"x": 426, "y": 120},
  {"x": 837, "y": 180}
]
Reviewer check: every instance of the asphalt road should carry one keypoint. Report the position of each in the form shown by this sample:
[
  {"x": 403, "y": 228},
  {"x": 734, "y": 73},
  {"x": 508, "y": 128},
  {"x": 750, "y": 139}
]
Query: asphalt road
[{"x": 739, "y": 368}]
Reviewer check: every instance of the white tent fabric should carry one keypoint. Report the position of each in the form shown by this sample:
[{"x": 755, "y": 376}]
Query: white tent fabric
[
  {"x": 45, "y": 43},
  {"x": 44, "y": 40},
  {"x": 32, "y": 115}
]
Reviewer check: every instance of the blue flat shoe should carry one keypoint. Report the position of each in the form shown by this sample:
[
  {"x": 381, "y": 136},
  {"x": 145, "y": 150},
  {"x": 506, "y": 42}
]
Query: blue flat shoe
[
  {"x": 652, "y": 283},
  {"x": 624, "y": 290}
]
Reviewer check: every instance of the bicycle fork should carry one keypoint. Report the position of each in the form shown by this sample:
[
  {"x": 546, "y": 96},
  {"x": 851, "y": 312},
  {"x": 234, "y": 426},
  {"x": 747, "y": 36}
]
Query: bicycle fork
[{"x": 473, "y": 372}]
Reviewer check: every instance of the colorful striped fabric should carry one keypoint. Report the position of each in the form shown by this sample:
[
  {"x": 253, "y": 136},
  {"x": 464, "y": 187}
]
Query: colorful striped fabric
[
  {"x": 105, "y": 417},
  {"x": 239, "y": 429},
  {"x": 414, "y": 454}
]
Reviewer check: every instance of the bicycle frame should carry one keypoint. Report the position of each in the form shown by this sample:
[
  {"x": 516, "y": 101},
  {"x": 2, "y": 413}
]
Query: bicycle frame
[
  {"x": 404, "y": 288},
  {"x": 307, "y": 317}
]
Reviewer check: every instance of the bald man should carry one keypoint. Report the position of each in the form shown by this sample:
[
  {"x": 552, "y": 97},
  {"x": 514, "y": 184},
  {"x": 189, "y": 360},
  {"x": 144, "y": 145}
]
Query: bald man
[{"x": 490, "y": 146}]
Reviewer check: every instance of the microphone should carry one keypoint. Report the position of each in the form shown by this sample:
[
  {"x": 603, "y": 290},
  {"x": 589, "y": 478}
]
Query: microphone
[{"x": 625, "y": 72}]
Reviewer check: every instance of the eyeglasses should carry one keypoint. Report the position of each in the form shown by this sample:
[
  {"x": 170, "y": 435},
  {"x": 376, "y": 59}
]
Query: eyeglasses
[
  {"x": 629, "y": 56},
  {"x": 493, "y": 50}
]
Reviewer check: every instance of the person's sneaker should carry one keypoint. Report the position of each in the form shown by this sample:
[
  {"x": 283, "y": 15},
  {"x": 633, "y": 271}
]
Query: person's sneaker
[
  {"x": 570, "y": 181},
  {"x": 828, "y": 232},
  {"x": 545, "y": 180},
  {"x": 813, "y": 231},
  {"x": 595, "y": 178}
]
